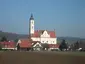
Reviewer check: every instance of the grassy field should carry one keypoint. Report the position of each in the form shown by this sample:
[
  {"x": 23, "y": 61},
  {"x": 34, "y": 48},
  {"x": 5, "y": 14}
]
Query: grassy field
[{"x": 42, "y": 57}]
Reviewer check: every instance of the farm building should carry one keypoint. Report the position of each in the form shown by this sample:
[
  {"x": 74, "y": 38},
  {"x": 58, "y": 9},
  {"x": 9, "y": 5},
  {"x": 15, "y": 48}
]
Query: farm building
[{"x": 8, "y": 45}]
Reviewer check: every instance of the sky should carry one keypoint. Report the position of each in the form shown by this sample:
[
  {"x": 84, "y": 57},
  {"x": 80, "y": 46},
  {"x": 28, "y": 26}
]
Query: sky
[{"x": 67, "y": 17}]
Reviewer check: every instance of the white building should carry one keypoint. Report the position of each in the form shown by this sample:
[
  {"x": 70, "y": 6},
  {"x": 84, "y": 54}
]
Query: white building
[{"x": 43, "y": 36}]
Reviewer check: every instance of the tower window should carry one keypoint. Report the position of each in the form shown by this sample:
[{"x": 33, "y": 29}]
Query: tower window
[
  {"x": 32, "y": 22},
  {"x": 32, "y": 27}
]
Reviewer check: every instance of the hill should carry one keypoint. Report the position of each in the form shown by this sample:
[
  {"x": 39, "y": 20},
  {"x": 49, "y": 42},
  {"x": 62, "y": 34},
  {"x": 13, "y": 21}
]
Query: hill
[
  {"x": 13, "y": 36},
  {"x": 70, "y": 40}
]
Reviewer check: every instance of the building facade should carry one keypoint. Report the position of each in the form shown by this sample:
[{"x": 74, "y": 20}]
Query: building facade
[{"x": 44, "y": 36}]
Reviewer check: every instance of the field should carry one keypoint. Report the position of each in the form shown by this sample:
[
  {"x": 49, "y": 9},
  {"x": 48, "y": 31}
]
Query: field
[{"x": 42, "y": 57}]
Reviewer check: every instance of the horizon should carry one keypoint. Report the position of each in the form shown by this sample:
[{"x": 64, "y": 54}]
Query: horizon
[
  {"x": 66, "y": 17},
  {"x": 56, "y": 35}
]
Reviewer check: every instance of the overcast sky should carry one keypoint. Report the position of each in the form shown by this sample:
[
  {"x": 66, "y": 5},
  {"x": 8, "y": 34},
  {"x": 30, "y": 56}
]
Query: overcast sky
[{"x": 67, "y": 17}]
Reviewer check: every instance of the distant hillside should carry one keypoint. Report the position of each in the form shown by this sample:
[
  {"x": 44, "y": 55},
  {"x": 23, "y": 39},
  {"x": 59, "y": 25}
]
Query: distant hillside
[
  {"x": 12, "y": 36},
  {"x": 70, "y": 40}
]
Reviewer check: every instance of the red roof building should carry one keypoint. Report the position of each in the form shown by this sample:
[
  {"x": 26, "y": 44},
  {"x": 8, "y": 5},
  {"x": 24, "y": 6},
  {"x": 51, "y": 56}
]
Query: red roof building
[
  {"x": 44, "y": 36},
  {"x": 25, "y": 43},
  {"x": 38, "y": 33},
  {"x": 8, "y": 45},
  {"x": 53, "y": 46}
]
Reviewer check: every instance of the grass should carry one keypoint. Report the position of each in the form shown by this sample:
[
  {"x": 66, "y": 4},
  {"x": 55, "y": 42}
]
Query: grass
[
  {"x": 42, "y": 57},
  {"x": 72, "y": 53}
]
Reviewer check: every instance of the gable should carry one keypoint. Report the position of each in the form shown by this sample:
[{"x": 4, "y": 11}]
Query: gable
[
  {"x": 19, "y": 41},
  {"x": 45, "y": 34},
  {"x": 37, "y": 45}
]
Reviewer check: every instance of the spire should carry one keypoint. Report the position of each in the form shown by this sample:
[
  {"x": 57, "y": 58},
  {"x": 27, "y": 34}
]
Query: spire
[{"x": 31, "y": 18}]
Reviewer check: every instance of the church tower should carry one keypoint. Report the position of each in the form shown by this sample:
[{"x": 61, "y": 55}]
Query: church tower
[{"x": 31, "y": 25}]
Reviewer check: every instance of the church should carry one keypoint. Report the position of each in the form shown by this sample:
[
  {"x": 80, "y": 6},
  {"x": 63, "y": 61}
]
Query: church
[
  {"x": 43, "y": 36},
  {"x": 38, "y": 39}
]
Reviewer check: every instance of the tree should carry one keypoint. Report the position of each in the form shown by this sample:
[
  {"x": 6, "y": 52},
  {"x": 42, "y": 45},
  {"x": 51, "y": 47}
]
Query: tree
[
  {"x": 0, "y": 47},
  {"x": 16, "y": 40},
  {"x": 18, "y": 47},
  {"x": 63, "y": 45},
  {"x": 76, "y": 45},
  {"x": 3, "y": 39},
  {"x": 45, "y": 46}
]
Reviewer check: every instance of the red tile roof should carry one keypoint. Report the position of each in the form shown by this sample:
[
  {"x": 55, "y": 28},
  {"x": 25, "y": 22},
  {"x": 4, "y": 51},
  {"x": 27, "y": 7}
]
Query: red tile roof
[
  {"x": 8, "y": 44},
  {"x": 53, "y": 45},
  {"x": 37, "y": 33},
  {"x": 25, "y": 43},
  {"x": 52, "y": 34}
]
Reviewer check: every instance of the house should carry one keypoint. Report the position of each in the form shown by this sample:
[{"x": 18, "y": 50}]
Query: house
[
  {"x": 82, "y": 46},
  {"x": 27, "y": 44},
  {"x": 24, "y": 44},
  {"x": 43, "y": 36},
  {"x": 79, "y": 45},
  {"x": 36, "y": 46},
  {"x": 53, "y": 46},
  {"x": 8, "y": 45}
]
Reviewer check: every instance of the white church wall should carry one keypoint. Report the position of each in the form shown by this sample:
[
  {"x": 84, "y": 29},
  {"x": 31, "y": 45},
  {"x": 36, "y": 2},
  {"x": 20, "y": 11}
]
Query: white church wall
[
  {"x": 35, "y": 39},
  {"x": 45, "y": 40},
  {"x": 48, "y": 40}
]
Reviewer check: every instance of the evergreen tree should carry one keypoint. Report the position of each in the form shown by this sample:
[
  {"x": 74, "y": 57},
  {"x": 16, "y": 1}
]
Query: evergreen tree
[
  {"x": 16, "y": 40},
  {"x": 3, "y": 39},
  {"x": 76, "y": 45},
  {"x": 63, "y": 45},
  {"x": 18, "y": 47},
  {"x": 45, "y": 46},
  {"x": 0, "y": 47}
]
